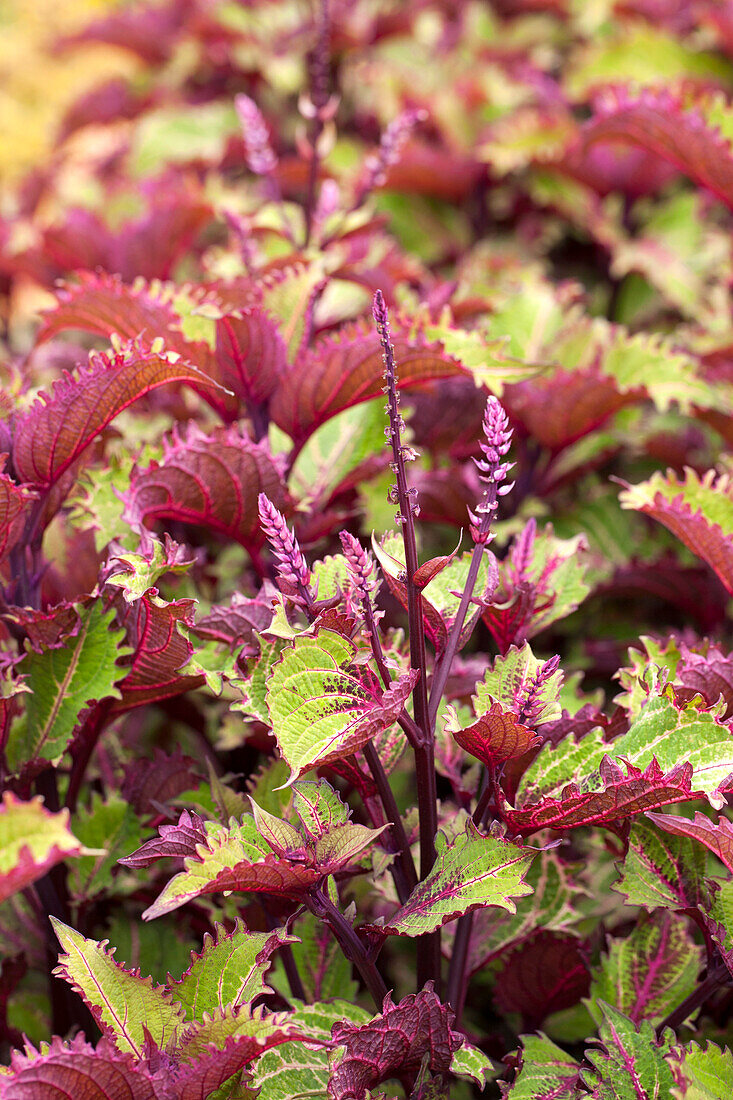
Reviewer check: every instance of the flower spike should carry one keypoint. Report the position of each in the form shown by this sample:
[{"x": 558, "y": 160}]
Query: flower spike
[
  {"x": 492, "y": 471},
  {"x": 292, "y": 567}
]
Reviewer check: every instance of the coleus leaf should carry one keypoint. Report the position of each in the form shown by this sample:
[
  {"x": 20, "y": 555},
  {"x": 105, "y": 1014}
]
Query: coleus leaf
[
  {"x": 701, "y": 1073},
  {"x": 173, "y": 840},
  {"x": 648, "y": 972},
  {"x": 621, "y": 795},
  {"x": 211, "y": 481},
  {"x": 440, "y": 595},
  {"x": 136, "y": 573},
  {"x": 344, "y": 370},
  {"x": 101, "y": 303},
  {"x": 124, "y": 1004},
  {"x": 717, "y": 836},
  {"x": 251, "y": 358},
  {"x": 552, "y": 906},
  {"x": 541, "y": 580},
  {"x": 699, "y": 511},
  {"x": 32, "y": 841},
  {"x": 319, "y": 709},
  {"x": 108, "y": 827},
  {"x": 631, "y": 1061},
  {"x": 510, "y": 680},
  {"x": 240, "y": 621},
  {"x": 544, "y": 1072},
  {"x": 710, "y": 673},
  {"x": 661, "y": 870},
  {"x": 302, "y": 1069},
  {"x": 547, "y": 973},
  {"x": 664, "y": 124},
  {"x": 496, "y": 736},
  {"x": 56, "y": 430},
  {"x": 230, "y": 969},
  {"x": 64, "y": 681},
  {"x": 393, "y": 1043},
  {"x": 78, "y": 1069},
  {"x": 470, "y": 872},
  {"x": 158, "y": 650},
  {"x": 150, "y": 783},
  {"x": 233, "y": 858},
  {"x": 14, "y": 501}
]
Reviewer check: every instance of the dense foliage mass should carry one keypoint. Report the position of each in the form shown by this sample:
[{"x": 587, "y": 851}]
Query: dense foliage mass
[{"x": 366, "y": 554}]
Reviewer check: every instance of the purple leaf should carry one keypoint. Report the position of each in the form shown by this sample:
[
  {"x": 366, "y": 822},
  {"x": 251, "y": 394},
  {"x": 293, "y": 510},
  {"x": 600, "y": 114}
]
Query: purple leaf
[
  {"x": 77, "y": 1069},
  {"x": 250, "y": 357},
  {"x": 148, "y": 784},
  {"x": 495, "y": 737},
  {"x": 394, "y": 1044},
  {"x": 174, "y": 840},
  {"x": 342, "y": 371},
  {"x": 544, "y": 975},
  {"x": 14, "y": 502}
]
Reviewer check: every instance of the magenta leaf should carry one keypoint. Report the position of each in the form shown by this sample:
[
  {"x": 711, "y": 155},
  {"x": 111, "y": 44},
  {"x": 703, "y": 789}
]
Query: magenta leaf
[
  {"x": 717, "y": 836},
  {"x": 710, "y": 673},
  {"x": 77, "y": 1069},
  {"x": 342, "y": 371},
  {"x": 59, "y": 426},
  {"x": 148, "y": 784},
  {"x": 101, "y": 303},
  {"x": 545, "y": 974},
  {"x": 241, "y": 621},
  {"x": 393, "y": 1044},
  {"x": 251, "y": 358},
  {"x": 14, "y": 501},
  {"x": 663, "y": 123},
  {"x": 174, "y": 840},
  {"x": 210, "y": 481}
]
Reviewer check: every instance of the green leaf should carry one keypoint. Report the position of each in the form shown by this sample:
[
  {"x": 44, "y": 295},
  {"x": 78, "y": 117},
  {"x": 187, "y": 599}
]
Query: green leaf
[
  {"x": 486, "y": 359},
  {"x": 507, "y": 682},
  {"x": 32, "y": 840},
  {"x": 320, "y": 710},
  {"x": 546, "y": 1072},
  {"x": 113, "y": 828},
  {"x": 136, "y": 573},
  {"x": 230, "y": 970},
  {"x": 339, "y": 454},
  {"x": 253, "y": 687},
  {"x": 297, "y": 1071},
  {"x": 631, "y": 1063},
  {"x": 662, "y": 871},
  {"x": 471, "y": 872},
  {"x": 552, "y": 905},
  {"x": 64, "y": 682},
  {"x": 123, "y": 1003},
  {"x": 471, "y": 1063},
  {"x": 702, "y": 1073},
  {"x": 648, "y": 972}
]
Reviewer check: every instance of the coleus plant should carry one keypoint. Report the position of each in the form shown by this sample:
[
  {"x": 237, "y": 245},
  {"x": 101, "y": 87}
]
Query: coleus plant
[{"x": 410, "y": 855}]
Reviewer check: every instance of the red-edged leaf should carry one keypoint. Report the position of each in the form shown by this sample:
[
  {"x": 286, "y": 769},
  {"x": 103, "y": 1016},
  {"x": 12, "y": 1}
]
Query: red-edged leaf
[
  {"x": 32, "y": 841},
  {"x": 495, "y": 737},
  {"x": 622, "y": 796},
  {"x": 541, "y": 976},
  {"x": 77, "y": 1069},
  {"x": 661, "y": 123},
  {"x": 59, "y": 426},
  {"x": 343, "y": 370},
  {"x": 101, "y": 303},
  {"x": 209, "y": 1067},
  {"x": 394, "y": 1043},
  {"x": 173, "y": 840},
  {"x": 717, "y": 836},
  {"x": 14, "y": 500},
  {"x": 159, "y": 650},
  {"x": 699, "y": 511},
  {"x": 210, "y": 481}
]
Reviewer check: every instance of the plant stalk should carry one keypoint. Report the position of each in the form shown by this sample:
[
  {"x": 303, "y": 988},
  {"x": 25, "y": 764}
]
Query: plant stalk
[{"x": 323, "y": 908}]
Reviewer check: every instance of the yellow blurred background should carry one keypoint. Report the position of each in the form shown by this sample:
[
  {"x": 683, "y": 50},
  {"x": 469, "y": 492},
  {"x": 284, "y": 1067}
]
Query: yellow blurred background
[{"x": 35, "y": 87}]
